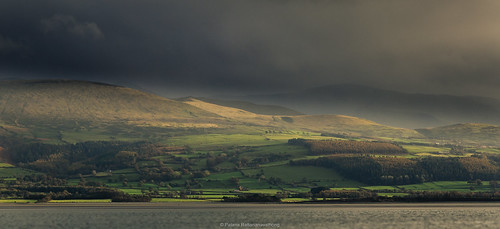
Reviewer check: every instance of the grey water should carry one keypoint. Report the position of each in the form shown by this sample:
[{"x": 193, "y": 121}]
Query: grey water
[{"x": 218, "y": 215}]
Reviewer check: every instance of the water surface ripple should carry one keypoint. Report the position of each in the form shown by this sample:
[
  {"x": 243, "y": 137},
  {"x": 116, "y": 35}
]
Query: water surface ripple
[{"x": 213, "y": 215}]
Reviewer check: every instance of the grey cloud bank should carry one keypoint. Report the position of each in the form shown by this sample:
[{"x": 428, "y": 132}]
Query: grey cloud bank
[{"x": 197, "y": 47}]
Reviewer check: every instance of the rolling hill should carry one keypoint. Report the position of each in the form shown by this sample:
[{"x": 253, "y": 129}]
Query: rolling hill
[
  {"x": 388, "y": 107},
  {"x": 334, "y": 124},
  {"x": 465, "y": 133},
  {"x": 63, "y": 101},
  {"x": 42, "y": 109},
  {"x": 251, "y": 107}
]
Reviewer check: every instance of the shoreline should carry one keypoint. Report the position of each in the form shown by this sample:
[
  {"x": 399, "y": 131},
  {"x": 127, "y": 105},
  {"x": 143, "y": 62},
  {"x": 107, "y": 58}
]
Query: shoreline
[{"x": 208, "y": 205}]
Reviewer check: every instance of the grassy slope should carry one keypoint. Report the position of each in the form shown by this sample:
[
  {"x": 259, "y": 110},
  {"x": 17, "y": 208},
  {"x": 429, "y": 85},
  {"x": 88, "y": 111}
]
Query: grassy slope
[
  {"x": 57, "y": 101},
  {"x": 467, "y": 133},
  {"x": 350, "y": 126},
  {"x": 339, "y": 124},
  {"x": 251, "y": 107},
  {"x": 56, "y": 111}
]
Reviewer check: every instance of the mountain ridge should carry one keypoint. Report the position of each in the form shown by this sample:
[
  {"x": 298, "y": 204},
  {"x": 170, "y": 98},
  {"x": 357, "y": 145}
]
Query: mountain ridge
[
  {"x": 410, "y": 110},
  {"x": 65, "y": 104}
]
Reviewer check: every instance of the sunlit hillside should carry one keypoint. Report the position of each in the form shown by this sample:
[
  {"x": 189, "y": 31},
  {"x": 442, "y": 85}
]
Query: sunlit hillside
[
  {"x": 72, "y": 111},
  {"x": 333, "y": 124},
  {"x": 466, "y": 133},
  {"x": 61, "y": 100}
]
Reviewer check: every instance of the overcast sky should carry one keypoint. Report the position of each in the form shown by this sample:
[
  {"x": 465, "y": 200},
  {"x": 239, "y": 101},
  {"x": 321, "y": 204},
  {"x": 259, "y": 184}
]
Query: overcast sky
[{"x": 206, "y": 47}]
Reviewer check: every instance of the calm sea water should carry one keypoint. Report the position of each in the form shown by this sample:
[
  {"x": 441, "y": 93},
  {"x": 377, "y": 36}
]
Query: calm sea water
[{"x": 208, "y": 215}]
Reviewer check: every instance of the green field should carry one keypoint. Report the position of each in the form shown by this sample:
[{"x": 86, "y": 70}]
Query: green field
[
  {"x": 304, "y": 174},
  {"x": 5, "y": 165},
  {"x": 424, "y": 149},
  {"x": 82, "y": 201},
  {"x": 18, "y": 201},
  {"x": 380, "y": 188},
  {"x": 210, "y": 141},
  {"x": 461, "y": 186},
  {"x": 392, "y": 194},
  {"x": 6, "y": 172}
]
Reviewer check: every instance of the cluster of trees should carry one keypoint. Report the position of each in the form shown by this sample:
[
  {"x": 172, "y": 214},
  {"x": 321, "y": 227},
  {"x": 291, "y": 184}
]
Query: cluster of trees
[
  {"x": 159, "y": 174},
  {"x": 36, "y": 179},
  {"x": 266, "y": 158},
  {"x": 44, "y": 188},
  {"x": 80, "y": 158},
  {"x": 123, "y": 197},
  {"x": 347, "y": 194},
  {"x": 45, "y": 193},
  {"x": 396, "y": 171},
  {"x": 253, "y": 197},
  {"x": 213, "y": 161},
  {"x": 322, "y": 147}
]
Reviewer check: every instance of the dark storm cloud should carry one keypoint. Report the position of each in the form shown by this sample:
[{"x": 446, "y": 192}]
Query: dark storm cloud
[
  {"x": 7, "y": 44},
  {"x": 251, "y": 46},
  {"x": 68, "y": 24}
]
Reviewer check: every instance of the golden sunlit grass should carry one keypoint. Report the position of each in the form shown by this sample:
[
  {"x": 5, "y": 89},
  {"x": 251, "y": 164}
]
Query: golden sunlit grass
[
  {"x": 324, "y": 123},
  {"x": 82, "y": 201},
  {"x": 5, "y": 165},
  {"x": 18, "y": 201}
]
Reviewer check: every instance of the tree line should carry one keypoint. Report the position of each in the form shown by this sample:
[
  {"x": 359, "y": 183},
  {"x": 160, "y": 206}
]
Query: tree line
[{"x": 397, "y": 171}]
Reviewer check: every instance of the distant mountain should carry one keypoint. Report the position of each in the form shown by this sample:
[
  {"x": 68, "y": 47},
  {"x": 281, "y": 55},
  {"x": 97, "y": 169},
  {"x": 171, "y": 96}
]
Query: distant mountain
[
  {"x": 388, "y": 107},
  {"x": 248, "y": 106}
]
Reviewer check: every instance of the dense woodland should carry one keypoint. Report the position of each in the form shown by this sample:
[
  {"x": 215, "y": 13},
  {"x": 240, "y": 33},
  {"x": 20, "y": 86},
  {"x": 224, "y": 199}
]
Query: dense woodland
[
  {"x": 377, "y": 163},
  {"x": 80, "y": 158},
  {"x": 396, "y": 171}
]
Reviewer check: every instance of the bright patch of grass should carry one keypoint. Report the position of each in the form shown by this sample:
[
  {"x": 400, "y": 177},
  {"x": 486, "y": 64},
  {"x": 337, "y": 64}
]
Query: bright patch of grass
[
  {"x": 344, "y": 188},
  {"x": 381, "y": 188},
  {"x": 209, "y": 196},
  {"x": 424, "y": 149},
  {"x": 399, "y": 194},
  {"x": 82, "y": 201},
  {"x": 5, "y": 165},
  {"x": 488, "y": 150},
  {"x": 294, "y": 200},
  {"x": 227, "y": 140},
  {"x": 131, "y": 191},
  {"x": 19, "y": 201},
  {"x": 263, "y": 191}
]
